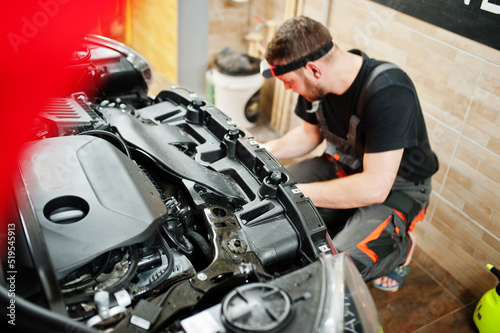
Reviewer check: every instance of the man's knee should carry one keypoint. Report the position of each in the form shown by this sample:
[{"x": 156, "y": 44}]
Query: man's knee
[{"x": 375, "y": 238}]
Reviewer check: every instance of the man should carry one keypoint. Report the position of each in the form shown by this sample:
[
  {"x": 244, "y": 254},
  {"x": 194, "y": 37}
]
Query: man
[{"x": 374, "y": 180}]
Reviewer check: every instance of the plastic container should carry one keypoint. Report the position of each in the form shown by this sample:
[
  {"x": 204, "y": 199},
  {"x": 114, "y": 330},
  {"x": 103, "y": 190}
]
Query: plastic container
[
  {"x": 487, "y": 312},
  {"x": 236, "y": 83}
]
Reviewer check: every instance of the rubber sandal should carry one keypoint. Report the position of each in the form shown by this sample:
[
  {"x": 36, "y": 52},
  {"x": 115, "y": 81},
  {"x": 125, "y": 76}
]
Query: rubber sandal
[{"x": 398, "y": 275}]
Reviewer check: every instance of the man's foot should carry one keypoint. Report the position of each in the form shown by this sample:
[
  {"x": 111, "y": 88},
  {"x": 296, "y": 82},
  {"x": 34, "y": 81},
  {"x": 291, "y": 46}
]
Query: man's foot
[
  {"x": 386, "y": 282},
  {"x": 393, "y": 280}
]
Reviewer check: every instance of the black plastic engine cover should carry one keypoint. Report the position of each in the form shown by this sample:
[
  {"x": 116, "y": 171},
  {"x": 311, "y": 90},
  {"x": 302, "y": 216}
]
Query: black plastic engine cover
[{"x": 89, "y": 198}]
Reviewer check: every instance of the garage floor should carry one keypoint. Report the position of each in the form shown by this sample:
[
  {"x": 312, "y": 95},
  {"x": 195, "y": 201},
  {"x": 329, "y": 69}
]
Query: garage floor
[{"x": 430, "y": 300}]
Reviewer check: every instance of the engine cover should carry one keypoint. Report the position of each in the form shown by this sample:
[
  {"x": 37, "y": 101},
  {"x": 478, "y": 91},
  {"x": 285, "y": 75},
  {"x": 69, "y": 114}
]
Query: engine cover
[{"x": 88, "y": 197}]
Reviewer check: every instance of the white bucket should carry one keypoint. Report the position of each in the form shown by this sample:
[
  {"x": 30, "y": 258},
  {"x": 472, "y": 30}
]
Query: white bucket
[{"x": 232, "y": 92}]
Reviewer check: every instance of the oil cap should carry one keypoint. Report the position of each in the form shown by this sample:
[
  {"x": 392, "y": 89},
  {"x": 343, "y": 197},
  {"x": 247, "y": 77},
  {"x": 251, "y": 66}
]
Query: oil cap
[{"x": 256, "y": 307}]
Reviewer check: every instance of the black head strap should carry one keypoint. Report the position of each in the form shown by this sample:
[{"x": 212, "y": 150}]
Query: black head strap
[{"x": 268, "y": 70}]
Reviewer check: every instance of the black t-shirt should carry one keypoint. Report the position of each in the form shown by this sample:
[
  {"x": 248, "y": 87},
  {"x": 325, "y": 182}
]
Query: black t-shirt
[{"x": 392, "y": 119}]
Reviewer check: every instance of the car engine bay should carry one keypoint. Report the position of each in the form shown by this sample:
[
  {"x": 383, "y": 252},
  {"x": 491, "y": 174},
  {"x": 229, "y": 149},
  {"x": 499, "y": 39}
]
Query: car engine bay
[{"x": 157, "y": 213}]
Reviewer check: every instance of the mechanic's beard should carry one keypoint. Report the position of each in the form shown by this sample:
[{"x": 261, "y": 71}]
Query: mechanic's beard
[{"x": 314, "y": 91}]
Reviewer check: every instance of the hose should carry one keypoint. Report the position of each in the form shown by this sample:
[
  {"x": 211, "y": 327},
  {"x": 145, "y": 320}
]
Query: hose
[
  {"x": 89, "y": 279},
  {"x": 170, "y": 266},
  {"x": 131, "y": 271},
  {"x": 185, "y": 248},
  {"x": 119, "y": 285},
  {"x": 202, "y": 244}
]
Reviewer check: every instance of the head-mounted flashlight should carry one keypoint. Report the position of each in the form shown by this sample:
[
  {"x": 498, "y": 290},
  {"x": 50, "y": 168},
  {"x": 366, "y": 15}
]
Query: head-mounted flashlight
[{"x": 268, "y": 71}]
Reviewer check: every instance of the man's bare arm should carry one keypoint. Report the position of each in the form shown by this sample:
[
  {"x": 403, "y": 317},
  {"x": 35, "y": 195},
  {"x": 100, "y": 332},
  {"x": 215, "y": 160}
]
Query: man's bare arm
[
  {"x": 366, "y": 188},
  {"x": 295, "y": 143}
]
